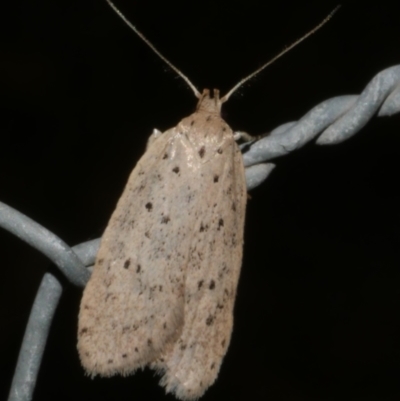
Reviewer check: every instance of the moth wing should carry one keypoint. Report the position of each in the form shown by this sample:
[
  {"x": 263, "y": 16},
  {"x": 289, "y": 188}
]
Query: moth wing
[
  {"x": 192, "y": 363},
  {"x": 133, "y": 304}
]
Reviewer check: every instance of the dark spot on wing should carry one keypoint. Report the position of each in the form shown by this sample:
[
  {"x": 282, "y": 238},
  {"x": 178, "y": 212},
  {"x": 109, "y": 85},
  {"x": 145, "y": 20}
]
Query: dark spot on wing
[
  {"x": 149, "y": 206},
  {"x": 203, "y": 227},
  {"x": 127, "y": 263},
  {"x": 216, "y": 178},
  {"x": 212, "y": 285},
  {"x": 165, "y": 220},
  {"x": 176, "y": 170},
  {"x": 202, "y": 151},
  {"x": 138, "y": 267},
  {"x": 209, "y": 320}
]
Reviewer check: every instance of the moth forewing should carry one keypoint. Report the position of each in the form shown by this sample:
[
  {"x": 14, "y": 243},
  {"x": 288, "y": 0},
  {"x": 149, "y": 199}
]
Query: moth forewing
[
  {"x": 193, "y": 363},
  {"x": 164, "y": 283}
]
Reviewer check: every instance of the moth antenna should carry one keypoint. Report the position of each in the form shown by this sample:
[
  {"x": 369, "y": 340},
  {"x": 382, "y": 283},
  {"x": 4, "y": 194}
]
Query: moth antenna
[
  {"x": 152, "y": 47},
  {"x": 298, "y": 41}
]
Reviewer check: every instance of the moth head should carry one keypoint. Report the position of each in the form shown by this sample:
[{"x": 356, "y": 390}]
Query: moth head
[{"x": 209, "y": 104}]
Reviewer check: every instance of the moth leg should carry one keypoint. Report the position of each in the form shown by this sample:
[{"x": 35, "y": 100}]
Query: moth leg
[
  {"x": 245, "y": 136},
  {"x": 154, "y": 135}
]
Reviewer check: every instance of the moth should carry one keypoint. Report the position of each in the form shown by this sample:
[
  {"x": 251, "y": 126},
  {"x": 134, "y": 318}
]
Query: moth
[{"x": 164, "y": 283}]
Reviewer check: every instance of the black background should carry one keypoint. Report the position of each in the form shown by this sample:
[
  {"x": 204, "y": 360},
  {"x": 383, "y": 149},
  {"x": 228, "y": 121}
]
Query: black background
[{"x": 317, "y": 312}]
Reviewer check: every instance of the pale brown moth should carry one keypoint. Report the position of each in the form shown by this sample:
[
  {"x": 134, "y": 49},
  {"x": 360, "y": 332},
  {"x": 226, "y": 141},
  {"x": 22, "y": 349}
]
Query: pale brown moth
[{"x": 164, "y": 283}]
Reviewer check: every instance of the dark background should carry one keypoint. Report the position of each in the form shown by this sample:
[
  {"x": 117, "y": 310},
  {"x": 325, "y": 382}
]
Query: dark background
[{"x": 317, "y": 313}]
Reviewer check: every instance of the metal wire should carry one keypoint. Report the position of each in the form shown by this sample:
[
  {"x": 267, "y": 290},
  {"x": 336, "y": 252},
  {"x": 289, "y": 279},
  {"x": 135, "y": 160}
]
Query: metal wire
[
  {"x": 46, "y": 242},
  {"x": 34, "y": 341},
  {"x": 38, "y": 327},
  {"x": 334, "y": 120}
]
